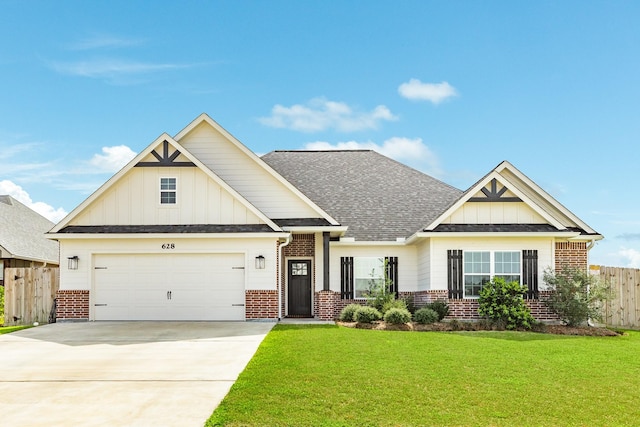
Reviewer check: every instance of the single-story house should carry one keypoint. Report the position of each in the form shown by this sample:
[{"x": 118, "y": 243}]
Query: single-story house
[
  {"x": 198, "y": 227},
  {"x": 22, "y": 237}
]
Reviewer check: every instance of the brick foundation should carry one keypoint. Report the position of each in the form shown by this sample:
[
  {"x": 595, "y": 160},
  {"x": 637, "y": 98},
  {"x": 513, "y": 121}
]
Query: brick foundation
[
  {"x": 261, "y": 304},
  {"x": 329, "y": 305},
  {"x": 72, "y": 305},
  {"x": 571, "y": 254}
]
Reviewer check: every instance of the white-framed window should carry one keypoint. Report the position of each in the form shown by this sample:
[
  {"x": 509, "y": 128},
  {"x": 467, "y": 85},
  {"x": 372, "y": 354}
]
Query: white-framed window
[
  {"x": 368, "y": 273},
  {"x": 168, "y": 191},
  {"x": 481, "y": 266}
]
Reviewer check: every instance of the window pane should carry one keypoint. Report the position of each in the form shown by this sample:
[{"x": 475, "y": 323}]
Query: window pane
[
  {"x": 167, "y": 183},
  {"x": 167, "y": 197},
  {"x": 368, "y": 274},
  {"x": 509, "y": 278},
  {"x": 473, "y": 284},
  {"x": 510, "y": 262}
]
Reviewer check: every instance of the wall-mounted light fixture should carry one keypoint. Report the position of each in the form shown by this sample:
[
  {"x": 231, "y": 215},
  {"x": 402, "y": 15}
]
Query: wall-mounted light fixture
[
  {"x": 259, "y": 262},
  {"x": 72, "y": 262}
]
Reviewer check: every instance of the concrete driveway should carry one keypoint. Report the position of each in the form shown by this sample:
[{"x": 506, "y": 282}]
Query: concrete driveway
[{"x": 122, "y": 373}]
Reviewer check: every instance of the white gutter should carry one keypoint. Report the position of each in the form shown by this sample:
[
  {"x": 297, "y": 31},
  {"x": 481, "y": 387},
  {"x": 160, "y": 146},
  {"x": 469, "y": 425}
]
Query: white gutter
[{"x": 279, "y": 281}]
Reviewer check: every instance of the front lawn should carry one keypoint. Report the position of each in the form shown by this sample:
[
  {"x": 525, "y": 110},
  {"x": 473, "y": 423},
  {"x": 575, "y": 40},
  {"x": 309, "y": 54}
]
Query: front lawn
[
  {"x": 335, "y": 376},
  {"x": 9, "y": 329}
]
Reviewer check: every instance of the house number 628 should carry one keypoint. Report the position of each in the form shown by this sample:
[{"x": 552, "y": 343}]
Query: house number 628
[{"x": 168, "y": 246}]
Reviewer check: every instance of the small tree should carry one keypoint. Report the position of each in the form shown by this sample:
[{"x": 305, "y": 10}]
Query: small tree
[
  {"x": 503, "y": 304},
  {"x": 576, "y": 295},
  {"x": 379, "y": 291}
]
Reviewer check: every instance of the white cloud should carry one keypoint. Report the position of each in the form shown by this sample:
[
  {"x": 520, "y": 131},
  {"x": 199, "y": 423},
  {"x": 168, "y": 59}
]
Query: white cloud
[
  {"x": 113, "y": 158},
  {"x": 415, "y": 90},
  {"x": 104, "y": 41},
  {"x": 320, "y": 114},
  {"x": 631, "y": 256},
  {"x": 52, "y": 214},
  {"x": 411, "y": 151},
  {"x": 111, "y": 68}
]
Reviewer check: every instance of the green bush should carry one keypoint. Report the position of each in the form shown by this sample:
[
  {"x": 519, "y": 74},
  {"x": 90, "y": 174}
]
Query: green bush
[
  {"x": 346, "y": 315},
  {"x": 409, "y": 303},
  {"x": 577, "y": 296},
  {"x": 397, "y": 316},
  {"x": 394, "y": 303},
  {"x": 366, "y": 314},
  {"x": 440, "y": 307},
  {"x": 425, "y": 316},
  {"x": 503, "y": 303}
]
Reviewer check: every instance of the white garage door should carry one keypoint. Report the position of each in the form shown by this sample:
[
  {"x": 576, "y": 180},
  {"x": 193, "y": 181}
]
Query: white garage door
[{"x": 169, "y": 287}]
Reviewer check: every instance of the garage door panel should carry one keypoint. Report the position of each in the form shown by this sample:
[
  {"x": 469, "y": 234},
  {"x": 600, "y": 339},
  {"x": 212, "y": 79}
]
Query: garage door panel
[{"x": 169, "y": 287}]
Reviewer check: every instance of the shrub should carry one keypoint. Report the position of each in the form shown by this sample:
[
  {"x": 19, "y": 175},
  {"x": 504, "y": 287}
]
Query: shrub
[
  {"x": 366, "y": 314},
  {"x": 440, "y": 307},
  {"x": 503, "y": 303},
  {"x": 395, "y": 303},
  {"x": 409, "y": 302},
  {"x": 426, "y": 315},
  {"x": 397, "y": 316},
  {"x": 577, "y": 296},
  {"x": 346, "y": 315}
]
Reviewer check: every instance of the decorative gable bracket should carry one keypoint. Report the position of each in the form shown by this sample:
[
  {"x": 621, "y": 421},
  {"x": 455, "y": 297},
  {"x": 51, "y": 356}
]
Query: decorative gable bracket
[
  {"x": 494, "y": 195},
  {"x": 165, "y": 160}
]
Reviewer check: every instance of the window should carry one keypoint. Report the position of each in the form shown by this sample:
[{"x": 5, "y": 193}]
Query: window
[
  {"x": 299, "y": 269},
  {"x": 168, "y": 189},
  {"x": 359, "y": 275},
  {"x": 368, "y": 274},
  {"x": 481, "y": 266}
]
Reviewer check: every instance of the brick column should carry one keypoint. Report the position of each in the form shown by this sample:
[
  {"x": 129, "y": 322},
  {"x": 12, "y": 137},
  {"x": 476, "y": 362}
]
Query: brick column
[
  {"x": 261, "y": 304},
  {"x": 72, "y": 305},
  {"x": 571, "y": 254},
  {"x": 327, "y": 304}
]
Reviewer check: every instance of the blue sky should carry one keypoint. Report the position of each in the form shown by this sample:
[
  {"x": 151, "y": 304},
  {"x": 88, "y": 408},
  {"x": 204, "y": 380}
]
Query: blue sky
[{"x": 451, "y": 88}]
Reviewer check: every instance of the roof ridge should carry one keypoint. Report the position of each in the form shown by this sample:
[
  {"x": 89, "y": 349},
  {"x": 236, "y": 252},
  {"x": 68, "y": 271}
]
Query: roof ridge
[{"x": 323, "y": 151}]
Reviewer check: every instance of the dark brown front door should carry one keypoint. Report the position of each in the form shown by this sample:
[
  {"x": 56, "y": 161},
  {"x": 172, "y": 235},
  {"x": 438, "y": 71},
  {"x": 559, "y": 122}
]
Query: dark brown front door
[{"x": 299, "y": 293}]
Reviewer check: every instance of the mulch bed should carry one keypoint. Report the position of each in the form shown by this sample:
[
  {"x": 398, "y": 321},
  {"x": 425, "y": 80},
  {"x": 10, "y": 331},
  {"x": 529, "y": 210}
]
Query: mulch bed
[{"x": 476, "y": 326}]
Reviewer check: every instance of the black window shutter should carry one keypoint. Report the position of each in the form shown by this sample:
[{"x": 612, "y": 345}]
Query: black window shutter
[
  {"x": 391, "y": 264},
  {"x": 346, "y": 277},
  {"x": 454, "y": 273},
  {"x": 530, "y": 273}
]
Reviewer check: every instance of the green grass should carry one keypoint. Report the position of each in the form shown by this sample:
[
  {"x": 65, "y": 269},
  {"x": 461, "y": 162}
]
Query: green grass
[
  {"x": 9, "y": 329},
  {"x": 335, "y": 376}
]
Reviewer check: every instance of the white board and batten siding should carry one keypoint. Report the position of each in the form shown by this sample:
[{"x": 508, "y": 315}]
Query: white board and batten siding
[
  {"x": 439, "y": 247},
  {"x": 177, "y": 278},
  {"x": 495, "y": 213},
  {"x": 242, "y": 173},
  {"x": 135, "y": 199}
]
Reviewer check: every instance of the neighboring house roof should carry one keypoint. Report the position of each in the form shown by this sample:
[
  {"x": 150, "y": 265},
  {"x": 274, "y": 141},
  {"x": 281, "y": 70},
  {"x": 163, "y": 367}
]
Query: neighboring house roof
[
  {"x": 22, "y": 233},
  {"x": 378, "y": 198}
]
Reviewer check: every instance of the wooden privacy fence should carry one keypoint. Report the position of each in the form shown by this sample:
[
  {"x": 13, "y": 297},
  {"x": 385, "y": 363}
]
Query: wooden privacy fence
[
  {"x": 623, "y": 310},
  {"x": 29, "y": 294}
]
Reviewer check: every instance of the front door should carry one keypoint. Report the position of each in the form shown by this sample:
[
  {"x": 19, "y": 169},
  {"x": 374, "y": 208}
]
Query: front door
[{"x": 299, "y": 293}]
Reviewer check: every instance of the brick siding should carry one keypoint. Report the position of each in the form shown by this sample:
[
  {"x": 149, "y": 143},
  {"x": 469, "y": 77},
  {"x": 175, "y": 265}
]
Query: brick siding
[
  {"x": 261, "y": 304},
  {"x": 571, "y": 254},
  {"x": 72, "y": 305}
]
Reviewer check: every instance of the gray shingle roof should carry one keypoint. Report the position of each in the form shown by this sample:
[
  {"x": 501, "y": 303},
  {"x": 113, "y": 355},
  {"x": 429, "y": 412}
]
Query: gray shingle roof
[
  {"x": 22, "y": 232},
  {"x": 158, "y": 228},
  {"x": 378, "y": 198}
]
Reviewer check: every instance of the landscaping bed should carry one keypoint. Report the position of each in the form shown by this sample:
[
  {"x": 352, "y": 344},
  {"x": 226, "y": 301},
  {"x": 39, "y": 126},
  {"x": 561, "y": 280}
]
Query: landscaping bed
[{"x": 480, "y": 326}]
